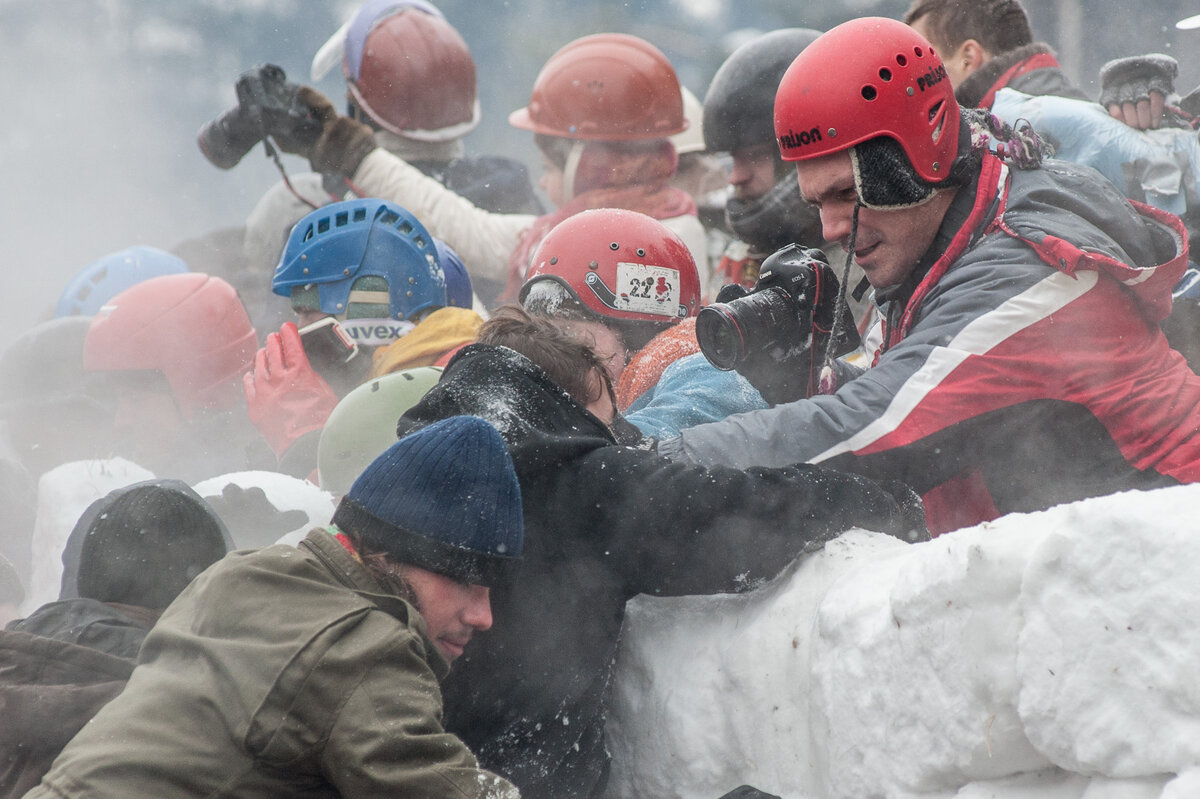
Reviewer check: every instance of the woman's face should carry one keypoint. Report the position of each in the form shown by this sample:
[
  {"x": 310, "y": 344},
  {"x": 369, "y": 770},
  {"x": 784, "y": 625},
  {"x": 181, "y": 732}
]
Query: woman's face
[{"x": 552, "y": 182}]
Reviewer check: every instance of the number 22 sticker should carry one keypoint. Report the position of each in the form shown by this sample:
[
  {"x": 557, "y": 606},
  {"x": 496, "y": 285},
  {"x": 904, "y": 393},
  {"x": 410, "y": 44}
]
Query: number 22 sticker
[{"x": 642, "y": 288}]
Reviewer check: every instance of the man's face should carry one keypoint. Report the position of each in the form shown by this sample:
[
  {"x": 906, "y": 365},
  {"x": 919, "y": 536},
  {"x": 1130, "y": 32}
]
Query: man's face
[
  {"x": 753, "y": 172},
  {"x": 453, "y": 611},
  {"x": 889, "y": 243}
]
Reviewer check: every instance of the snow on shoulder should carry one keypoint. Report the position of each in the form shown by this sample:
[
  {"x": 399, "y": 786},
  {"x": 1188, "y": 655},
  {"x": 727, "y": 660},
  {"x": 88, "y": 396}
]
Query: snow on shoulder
[{"x": 1050, "y": 654}]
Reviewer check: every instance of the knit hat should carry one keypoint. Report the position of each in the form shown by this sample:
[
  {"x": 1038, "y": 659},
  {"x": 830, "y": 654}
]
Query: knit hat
[
  {"x": 444, "y": 498},
  {"x": 142, "y": 544}
]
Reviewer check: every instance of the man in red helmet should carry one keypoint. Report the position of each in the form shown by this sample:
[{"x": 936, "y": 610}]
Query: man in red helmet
[
  {"x": 169, "y": 354},
  {"x": 410, "y": 79},
  {"x": 602, "y": 110},
  {"x": 1022, "y": 364},
  {"x": 629, "y": 288}
]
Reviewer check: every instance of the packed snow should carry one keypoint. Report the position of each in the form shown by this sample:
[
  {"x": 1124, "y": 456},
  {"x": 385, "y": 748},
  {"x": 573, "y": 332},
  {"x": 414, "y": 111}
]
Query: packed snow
[{"x": 1050, "y": 654}]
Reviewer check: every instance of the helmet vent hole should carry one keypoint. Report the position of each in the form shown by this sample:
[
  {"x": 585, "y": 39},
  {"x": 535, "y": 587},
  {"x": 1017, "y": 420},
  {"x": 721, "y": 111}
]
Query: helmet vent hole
[
  {"x": 885, "y": 74},
  {"x": 554, "y": 260},
  {"x": 933, "y": 114},
  {"x": 341, "y": 219},
  {"x": 869, "y": 93},
  {"x": 387, "y": 217},
  {"x": 323, "y": 225},
  {"x": 614, "y": 246},
  {"x": 901, "y": 59},
  {"x": 360, "y": 214},
  {"x": 918, "y": 52}
]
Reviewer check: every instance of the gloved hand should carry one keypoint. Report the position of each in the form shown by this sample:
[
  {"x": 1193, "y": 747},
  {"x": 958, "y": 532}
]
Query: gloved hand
[
  {"x": 336, "y": 145},
  {"x": 911, "y": 525},
  {"x": 251, "y": 518},
  {"x": 787, "y": 373},
  {"x": 285, "y": 398},
  {"x": 1135, "y": 89}
]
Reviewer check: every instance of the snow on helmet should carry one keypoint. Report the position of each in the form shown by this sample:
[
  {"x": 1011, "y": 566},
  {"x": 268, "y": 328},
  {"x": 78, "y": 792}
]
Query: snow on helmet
[
  {"x": 101, "y": 280},
  {"x": 363, "y": 424},
  {"x": 605, "y": 87},
  {"x": 739, "y": 105},
  {"x": 361, "y": 259},
  {"x": 867, "y": 78},
  {"x": 619, "y": 264},
  {"x": 190, "y": 327},
  {"x": 459, "y": 293},
  {"x": 411, "y": 71}
]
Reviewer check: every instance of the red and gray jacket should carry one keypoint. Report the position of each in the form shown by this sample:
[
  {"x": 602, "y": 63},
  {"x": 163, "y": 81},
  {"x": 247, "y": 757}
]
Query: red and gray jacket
[{"x": 1022, "y": 365}]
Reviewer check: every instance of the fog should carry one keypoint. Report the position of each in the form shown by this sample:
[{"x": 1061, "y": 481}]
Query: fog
[{"x": 105, "y": 97}]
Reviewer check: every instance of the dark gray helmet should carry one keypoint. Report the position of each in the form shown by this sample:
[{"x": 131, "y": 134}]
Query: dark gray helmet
[{"x": 739, "y": 109}]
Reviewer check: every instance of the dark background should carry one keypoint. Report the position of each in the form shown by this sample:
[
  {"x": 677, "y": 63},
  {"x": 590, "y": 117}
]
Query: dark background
[{"x": 103, "y": 98}]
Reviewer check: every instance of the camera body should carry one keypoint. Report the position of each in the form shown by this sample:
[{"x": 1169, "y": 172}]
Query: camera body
[
  {"x": 266, "y": 102},
  {"x": 776, "y": 333}
]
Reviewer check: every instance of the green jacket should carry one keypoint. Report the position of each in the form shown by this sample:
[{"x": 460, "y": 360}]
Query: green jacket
[{"x": 278, "y": 672}]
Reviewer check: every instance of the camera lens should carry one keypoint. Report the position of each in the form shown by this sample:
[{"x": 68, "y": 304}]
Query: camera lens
[
  {"x": 719, "y": 336},
  {"x": 764, "y": 323}
]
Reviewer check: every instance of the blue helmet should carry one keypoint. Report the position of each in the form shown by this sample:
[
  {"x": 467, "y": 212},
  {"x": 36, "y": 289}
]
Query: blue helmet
[
  {"x": 101, "y": 280},
  {"x": 459, "y": 293},
  {"x": 361, "y": 259}
]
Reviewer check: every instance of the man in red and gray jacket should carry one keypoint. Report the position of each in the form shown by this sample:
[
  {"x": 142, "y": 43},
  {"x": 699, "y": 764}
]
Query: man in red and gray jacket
[{"x": 1021, "y": 363}]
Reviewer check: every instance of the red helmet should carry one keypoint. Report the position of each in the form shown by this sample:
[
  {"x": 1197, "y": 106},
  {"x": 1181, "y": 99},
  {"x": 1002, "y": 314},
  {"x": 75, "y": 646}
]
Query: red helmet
[
  {"x": 191, "y": 327},
  {"x": 605, "y": 87},
  {"x": 619, "y": 264},
  {"x": 866, "y": 78},
  {"x": 411, "y": 72}
]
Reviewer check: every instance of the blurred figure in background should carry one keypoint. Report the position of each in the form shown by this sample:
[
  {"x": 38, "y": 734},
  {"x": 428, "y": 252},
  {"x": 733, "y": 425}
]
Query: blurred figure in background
[
  {"x": 128, "y": 557},
  {"x": 411, "y": 79}
]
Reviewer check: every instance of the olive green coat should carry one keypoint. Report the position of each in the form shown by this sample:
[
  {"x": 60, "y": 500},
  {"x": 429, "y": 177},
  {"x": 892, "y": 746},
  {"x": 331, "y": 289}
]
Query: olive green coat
[{"x": 278, "y": 672}]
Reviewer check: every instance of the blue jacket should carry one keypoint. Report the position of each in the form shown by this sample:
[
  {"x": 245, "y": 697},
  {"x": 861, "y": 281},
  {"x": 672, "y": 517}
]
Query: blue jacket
[{"x": 691, "y": 391}]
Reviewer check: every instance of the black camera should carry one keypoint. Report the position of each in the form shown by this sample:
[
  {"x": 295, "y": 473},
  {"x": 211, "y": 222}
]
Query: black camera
[
  {"x": 266, "y": 101},
  {"x": 742, "y": 323},
  {"x": 782, "y": 324}
]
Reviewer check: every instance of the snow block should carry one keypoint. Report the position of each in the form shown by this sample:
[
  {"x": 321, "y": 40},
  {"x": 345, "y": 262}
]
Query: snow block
[
  {"x": 915, "y": 666},
  {"x": 1109, "y": 654},
  {"x": 64, "y": 493}
]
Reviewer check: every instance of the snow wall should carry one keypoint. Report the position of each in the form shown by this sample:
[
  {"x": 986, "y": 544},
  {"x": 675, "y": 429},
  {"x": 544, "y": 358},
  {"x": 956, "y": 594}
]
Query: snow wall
[{"x": 1052, "y": 654}]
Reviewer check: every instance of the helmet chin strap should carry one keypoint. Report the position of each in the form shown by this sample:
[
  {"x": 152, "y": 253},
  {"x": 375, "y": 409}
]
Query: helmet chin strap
[
  {"x": 574, "y": 156},
  {"x": 825, "y": 380}
]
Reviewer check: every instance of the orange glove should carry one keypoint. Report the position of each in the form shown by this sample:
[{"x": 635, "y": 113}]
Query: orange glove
[{"x": 285, "y": 398}]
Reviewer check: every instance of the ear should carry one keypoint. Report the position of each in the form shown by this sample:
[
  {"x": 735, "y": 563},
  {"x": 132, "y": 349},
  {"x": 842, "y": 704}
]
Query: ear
[{"x": 971, "y": 55}]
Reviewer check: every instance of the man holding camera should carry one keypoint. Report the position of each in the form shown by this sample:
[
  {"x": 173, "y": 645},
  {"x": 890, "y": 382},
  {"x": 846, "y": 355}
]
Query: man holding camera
[{"x": 1022, "y": 364}]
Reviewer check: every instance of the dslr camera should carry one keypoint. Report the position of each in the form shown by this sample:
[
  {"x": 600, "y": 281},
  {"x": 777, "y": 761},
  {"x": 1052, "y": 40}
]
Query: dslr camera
[
  {"x": 266, "y": 101},
  {"x": 776, "y": 333}
]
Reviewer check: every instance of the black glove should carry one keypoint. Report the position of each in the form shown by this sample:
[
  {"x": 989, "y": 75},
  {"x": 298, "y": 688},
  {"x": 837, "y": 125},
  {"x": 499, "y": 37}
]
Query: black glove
[
  {"x": 335, "y": 145},
  {"x": 1134, "y": 89},
  {"x": 911, "y": 525},
  {"x": 251, "y": 518},
  {"x": 785, "y": 368}
]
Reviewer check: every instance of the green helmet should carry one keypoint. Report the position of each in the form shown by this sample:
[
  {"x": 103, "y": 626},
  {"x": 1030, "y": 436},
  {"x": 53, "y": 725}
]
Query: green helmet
[{"x": 363, "y": 424}]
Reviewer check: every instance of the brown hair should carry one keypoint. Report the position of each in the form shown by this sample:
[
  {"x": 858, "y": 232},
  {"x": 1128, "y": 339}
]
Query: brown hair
[
  {"x": 568, "y": 361},
  {"x": 998, "y": 25}
]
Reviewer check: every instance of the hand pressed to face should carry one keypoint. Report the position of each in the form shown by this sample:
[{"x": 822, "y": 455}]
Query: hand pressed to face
[
  {"x": 889, "y": 243},
  {"x": 453, "y": 611}
]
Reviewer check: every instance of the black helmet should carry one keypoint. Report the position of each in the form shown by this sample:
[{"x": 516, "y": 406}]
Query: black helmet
[{"x": 739, "y": 107}]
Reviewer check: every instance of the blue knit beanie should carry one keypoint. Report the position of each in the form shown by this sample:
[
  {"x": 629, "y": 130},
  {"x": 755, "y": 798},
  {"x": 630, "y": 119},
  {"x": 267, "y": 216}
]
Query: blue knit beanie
[{"x": 444, "y": 498}]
